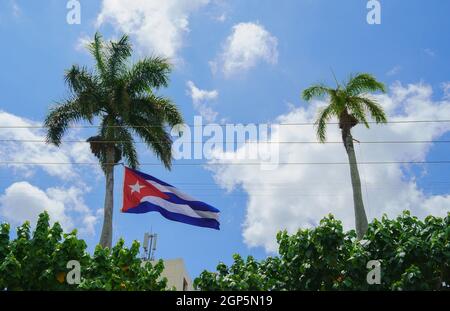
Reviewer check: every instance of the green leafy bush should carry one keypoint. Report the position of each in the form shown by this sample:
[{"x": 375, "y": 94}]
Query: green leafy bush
[
  {"x": 39, "y": 262},
  {"x": 414, "y": 255}
]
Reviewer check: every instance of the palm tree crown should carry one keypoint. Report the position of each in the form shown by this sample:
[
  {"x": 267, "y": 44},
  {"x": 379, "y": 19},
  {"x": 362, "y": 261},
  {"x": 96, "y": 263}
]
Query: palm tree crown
[
  {"x": 122, "y": 98},
  {"x": 349, "y": 104}
]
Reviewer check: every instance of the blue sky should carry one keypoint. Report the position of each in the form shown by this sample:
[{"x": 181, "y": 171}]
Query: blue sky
[{"x": 300, "y": 41}]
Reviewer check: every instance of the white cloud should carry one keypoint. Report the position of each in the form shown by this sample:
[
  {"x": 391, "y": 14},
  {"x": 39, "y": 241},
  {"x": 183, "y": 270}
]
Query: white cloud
[
  {"x": 199, "y": 95},
  {"x": 82, "y": 43},
  {"x": 446, "y": 88},
  {"x": 296, "y": 196},
  {"x": 395, "y": 70},
  {"x": 200, "y": 98},
  {"x": 247, "y": 45},
  {"x": 221, "y": 18},
  {"x": 22, "y": 201},
  {"x": 158, "y": 26},
  {"x": 23, "y": 142},
  {"x": 74, "y": 204}
]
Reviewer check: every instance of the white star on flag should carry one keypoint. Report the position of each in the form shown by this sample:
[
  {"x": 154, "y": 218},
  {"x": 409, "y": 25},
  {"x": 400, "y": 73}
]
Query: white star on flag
[{"x": 136, "y": 187}]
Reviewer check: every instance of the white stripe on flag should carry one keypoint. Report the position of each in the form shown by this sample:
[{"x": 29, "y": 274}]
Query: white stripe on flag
[
  {"x": 173, "y": 190},
  {"x": 180, "y": 208}
]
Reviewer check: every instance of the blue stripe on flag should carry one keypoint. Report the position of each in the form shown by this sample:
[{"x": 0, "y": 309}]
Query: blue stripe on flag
[
  {"x": 196, "y": 205},
  {"x": 145, "y": 207}
]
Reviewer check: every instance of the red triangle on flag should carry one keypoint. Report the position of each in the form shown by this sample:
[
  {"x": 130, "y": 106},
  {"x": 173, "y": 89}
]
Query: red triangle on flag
[{"x": 135, "y": 188}]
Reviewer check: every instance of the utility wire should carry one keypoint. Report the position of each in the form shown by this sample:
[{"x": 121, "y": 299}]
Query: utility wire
[
  {"x": 295, "y": 185},
  {"x": 228, "y": 163},
  {"x": 222, "y": 125},
  {"x": 237, "y": 142}
]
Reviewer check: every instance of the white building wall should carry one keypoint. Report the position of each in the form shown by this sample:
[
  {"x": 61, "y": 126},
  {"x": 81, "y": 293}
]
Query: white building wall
[{"x": 177, "y": 275}]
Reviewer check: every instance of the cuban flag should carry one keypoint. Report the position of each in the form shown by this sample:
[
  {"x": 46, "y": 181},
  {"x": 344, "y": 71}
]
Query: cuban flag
[{"x": 143, "y": 193}]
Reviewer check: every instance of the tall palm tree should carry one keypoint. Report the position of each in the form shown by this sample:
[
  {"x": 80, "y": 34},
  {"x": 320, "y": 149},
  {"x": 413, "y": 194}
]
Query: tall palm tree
[
  {"x": 121, "y": 97},
  {"x": 350, "y": 105}
]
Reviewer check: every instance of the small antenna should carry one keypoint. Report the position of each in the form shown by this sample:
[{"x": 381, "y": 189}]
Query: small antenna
[
  {"x": 145, "y": 245},
  {"x": 149, "y": 245},
  {"x": 155, "y": 238}
]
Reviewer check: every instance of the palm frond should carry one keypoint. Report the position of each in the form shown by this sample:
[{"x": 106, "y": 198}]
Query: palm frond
[
  {"x": 86, "y": 89},
  {"x": 318, "y": 91},
  {"x": 118, "y": 53},
  {"x": 357, "y": 111},
  {"x": 127, "y": 146},
  {"x": 144, "y": 107},
  {"x": 148, "y": 73},
  {"x": 120, "y": 103},
  {"x": 362, "y": 83},
  {"x": 325, "y": 114},
  {"x": 160, "y": 109},
  {"x": 96, "y": 49},
  {"x": 155, "y": 137},
  {"x": 337, "y": 100},
  {"x": 59, "y": 119},
  {"x": 83, "y": 83},
  {"x": 108, "y": 127},
  {"x": 376, "y": 111},
  {"x": 168, "y": 109}
]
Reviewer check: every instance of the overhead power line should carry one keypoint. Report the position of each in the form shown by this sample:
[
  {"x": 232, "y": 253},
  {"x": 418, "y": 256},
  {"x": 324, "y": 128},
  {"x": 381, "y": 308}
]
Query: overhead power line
[
  {"x": 296, "y": 184},
  {"x": 229, "y": 163},
  {"x": 222, "y": 125},
  {"x": 237, "y": 142}
]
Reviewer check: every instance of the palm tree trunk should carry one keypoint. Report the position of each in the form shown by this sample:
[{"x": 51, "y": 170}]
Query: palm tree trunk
[
  {"x": 360, "y": 214},
  {"x": 106, "y": 236}
]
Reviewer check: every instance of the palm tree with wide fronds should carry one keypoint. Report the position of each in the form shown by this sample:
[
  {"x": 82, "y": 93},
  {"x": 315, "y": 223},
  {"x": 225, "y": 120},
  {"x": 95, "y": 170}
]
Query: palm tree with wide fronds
[
  {"x": 121, "y": 97},
  {"x": 350, "y": 104}
]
